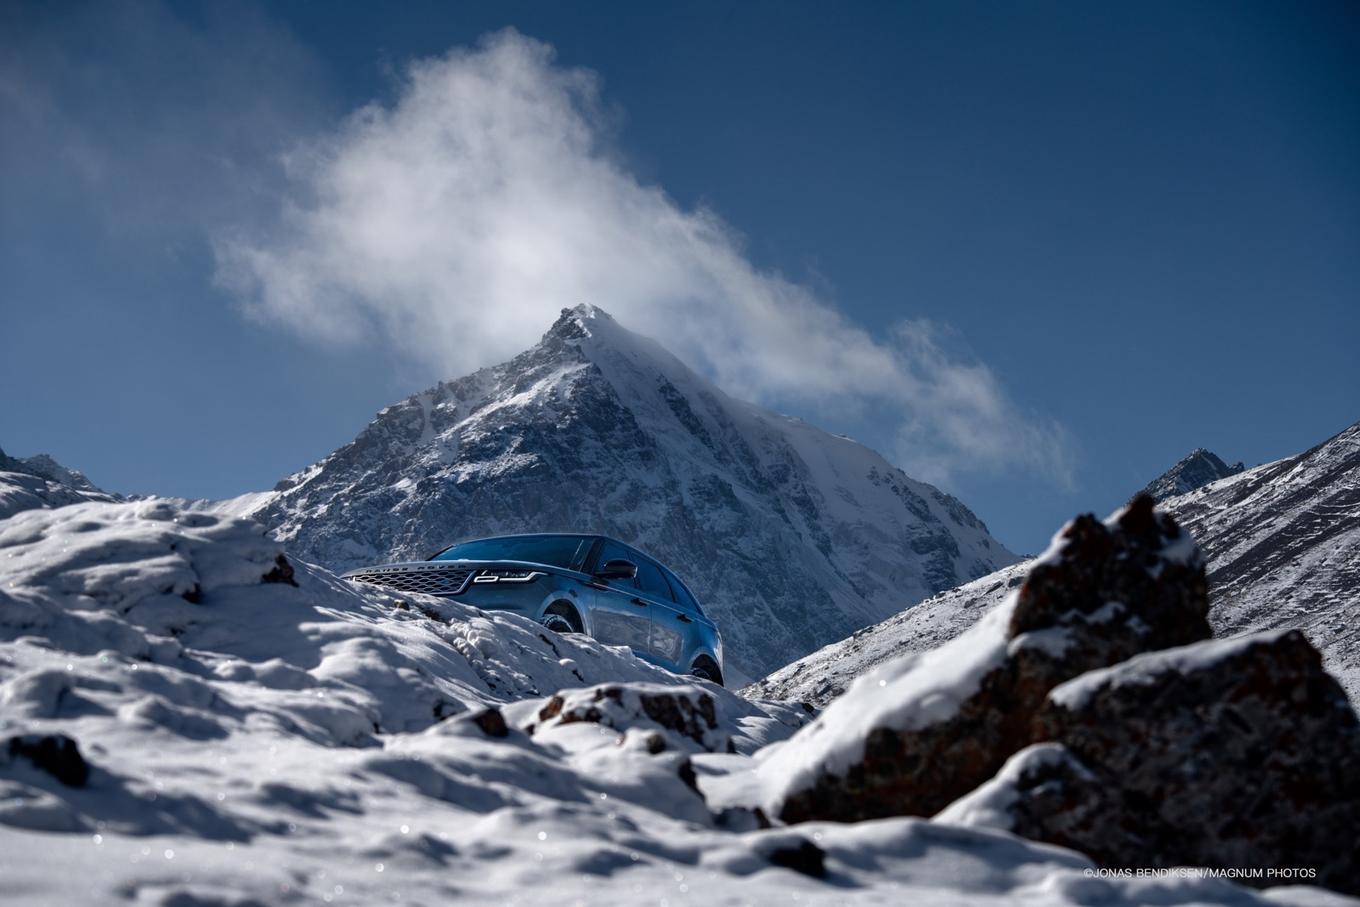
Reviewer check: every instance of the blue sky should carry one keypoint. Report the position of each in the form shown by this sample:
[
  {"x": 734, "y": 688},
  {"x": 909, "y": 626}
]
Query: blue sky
[{"x": 1050, "y": 248}]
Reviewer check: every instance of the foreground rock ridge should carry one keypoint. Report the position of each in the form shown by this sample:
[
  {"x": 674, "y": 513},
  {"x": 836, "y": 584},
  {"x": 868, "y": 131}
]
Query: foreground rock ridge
[
  {"x": 1092, "y": 711},
  {"x": 790, "y": 536},
  {"x": 1236, "y": 753},
  {"x": 922, "y": 732},
  {"x": 191, "y": 715}
]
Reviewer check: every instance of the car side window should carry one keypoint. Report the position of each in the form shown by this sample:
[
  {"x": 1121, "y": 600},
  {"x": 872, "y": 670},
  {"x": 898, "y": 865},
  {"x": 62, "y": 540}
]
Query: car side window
[
  {"x": 650, "y": 580},
  {"x": 682, "y": 594},
  {"x": 613, "y": 551}
]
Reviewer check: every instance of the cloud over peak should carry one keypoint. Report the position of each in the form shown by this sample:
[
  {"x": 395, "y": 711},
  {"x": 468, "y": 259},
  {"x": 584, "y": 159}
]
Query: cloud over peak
[{"x": 457, "y": 221}]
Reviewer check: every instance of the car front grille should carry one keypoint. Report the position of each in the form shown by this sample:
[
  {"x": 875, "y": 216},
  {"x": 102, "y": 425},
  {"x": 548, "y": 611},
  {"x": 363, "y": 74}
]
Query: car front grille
[{"x": 430, "y": 580}]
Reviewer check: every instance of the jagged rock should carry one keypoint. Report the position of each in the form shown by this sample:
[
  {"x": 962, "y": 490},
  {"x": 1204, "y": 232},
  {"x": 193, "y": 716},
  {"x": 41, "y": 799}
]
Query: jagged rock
[
  {"x": 796, "y": 853},
  {"x": 281, "y": 572},
  {"x": 687, "y": 711},
  {"x": 1235, "y": 753},
  {"x": 1197, "y": 469},
  {"x": 919, "y": 733},
  {"x": 1240, "y": 752},
  {"x": 491, "y": 722},
  {"x": 56, "y": 754}
]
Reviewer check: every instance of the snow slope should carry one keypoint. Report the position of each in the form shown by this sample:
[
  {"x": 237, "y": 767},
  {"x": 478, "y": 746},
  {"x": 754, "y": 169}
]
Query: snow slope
[
  {"x": 1283, "y": 548},
  {"x": 790, "y": 536},
  {"x": 258, "y": 732},
  {"x": 40, "y": 481}
]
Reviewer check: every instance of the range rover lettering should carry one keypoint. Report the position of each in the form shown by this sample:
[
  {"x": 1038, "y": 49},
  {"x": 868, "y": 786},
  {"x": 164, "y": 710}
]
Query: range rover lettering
[{"x": 587, "y": 584}]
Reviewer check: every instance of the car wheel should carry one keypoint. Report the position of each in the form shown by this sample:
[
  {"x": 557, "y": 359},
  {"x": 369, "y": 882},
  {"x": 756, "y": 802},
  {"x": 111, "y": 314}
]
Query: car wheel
[
  {"x": 704, "y": 672},
  {"x": 558, "y": 623}
]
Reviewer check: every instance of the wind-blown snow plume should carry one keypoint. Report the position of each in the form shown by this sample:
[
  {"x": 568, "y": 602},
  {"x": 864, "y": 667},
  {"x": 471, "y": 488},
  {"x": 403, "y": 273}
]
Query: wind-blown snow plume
[{"x": 489, "y": 196}]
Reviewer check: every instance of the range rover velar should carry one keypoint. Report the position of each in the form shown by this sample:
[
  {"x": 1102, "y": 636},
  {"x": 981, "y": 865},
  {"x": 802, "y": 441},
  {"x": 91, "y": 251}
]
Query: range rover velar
[{"x": 571, "y": 583}]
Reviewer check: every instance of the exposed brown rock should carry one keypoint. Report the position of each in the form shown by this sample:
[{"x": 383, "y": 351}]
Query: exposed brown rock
[
  {"x": 798, "y": 854},
  {"x": 1108, "y": 592},
  {"x": 281, "y": 572},
  {"x": 491, "y": 722},
  {"x": 1237, "y": 753},
  {"x": 55, "y": 754},
  {"x": 687, "y": 711}
]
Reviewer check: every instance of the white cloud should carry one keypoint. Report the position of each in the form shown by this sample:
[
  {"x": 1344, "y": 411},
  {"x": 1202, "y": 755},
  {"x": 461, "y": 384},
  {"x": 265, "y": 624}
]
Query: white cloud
[{"x": 455, "y": 223}]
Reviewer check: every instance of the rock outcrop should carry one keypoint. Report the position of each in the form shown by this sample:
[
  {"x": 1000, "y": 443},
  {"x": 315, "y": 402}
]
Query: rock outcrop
[
  {"x": 688, "y": 712},
  {"x": 915, "y": 735},
  {"x": 1236, "y": 754}
]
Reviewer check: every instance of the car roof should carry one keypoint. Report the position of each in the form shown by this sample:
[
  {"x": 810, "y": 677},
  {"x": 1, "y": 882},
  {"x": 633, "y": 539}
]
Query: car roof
[{"x": 574, "y": 535}]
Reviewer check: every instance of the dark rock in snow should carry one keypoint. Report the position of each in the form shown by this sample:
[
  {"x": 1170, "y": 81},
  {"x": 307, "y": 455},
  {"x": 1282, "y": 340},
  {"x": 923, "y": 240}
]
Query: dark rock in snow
[
  {"x": 56, "y": 754},
  {"x": 796, "y": 853},
  {"x": 1237, "y": 753},
  {"x": 491, "y": 722},
  {"x": 281, "y": 572},
  {"x": 1107, "y": 592},
  {"x": 686, "y": 711}
]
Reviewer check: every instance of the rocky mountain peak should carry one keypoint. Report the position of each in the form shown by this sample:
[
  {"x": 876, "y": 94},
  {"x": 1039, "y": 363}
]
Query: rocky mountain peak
[
  {"x": 1195, "y": 470},
  {"x": 40, "y": 482}
]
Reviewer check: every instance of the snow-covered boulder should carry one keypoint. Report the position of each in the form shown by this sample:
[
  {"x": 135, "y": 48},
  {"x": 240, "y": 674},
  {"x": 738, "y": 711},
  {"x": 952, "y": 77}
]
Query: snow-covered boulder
[
  {"x": 916, "y": 734},
  {"x": 1233, "y": 753},
  {"x": 684, "y": 715}
]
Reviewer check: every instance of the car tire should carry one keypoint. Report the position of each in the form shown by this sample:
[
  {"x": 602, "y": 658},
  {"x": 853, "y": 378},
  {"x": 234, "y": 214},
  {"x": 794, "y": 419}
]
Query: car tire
[
  {"x": 702, "y": 671},
  {"x": 560, "y": 621}
]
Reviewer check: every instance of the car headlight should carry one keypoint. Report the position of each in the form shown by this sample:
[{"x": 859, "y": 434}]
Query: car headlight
[{"x": 504, "y": 575}]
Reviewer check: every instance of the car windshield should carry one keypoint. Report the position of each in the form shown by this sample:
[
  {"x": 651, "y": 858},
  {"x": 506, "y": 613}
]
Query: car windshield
[{"x": 565, "y": 551}]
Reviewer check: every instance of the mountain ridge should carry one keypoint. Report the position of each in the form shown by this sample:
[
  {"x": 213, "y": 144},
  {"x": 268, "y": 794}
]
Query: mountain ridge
[
  {"x": 1283, "y": 546},
  {"x": 40, "y": 482}
]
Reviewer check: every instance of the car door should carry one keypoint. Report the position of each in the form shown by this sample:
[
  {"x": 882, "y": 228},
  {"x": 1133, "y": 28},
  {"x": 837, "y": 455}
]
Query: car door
[
  {"x": 668, "y": 620},
  {"x": 619, "y": 616}
]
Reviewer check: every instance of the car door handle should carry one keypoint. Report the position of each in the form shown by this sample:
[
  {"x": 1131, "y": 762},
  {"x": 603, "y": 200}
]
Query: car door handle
[
  {"x": 684, "y": 618},
  {"x": 640, "y": 602}
]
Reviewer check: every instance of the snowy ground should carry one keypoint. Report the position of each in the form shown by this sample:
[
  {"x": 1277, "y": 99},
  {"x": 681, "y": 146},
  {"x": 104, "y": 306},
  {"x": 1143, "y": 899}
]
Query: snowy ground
[{"x": 260, "y": 732}]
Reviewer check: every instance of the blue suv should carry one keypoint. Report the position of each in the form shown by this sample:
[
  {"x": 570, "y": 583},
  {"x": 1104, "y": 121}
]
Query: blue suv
[{"x": 572, "y": 584}]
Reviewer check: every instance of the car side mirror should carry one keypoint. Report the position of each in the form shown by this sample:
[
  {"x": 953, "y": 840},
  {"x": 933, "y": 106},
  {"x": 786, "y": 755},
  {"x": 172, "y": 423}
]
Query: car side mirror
[{"x": 617, "y": 569}]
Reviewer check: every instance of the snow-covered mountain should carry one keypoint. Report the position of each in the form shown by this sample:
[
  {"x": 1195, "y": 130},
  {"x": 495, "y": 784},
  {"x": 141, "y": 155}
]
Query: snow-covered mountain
[
  {"x": 1197, "y": 469},
  {"x": 1283, "y": 548},
  {"x": 1283, "y": 542},
  {"x": 38, "y": 482},
  {"x": 791, "y": 537}
]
